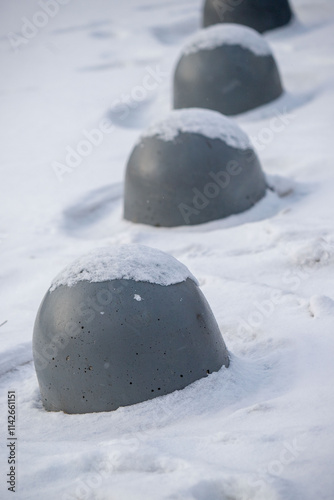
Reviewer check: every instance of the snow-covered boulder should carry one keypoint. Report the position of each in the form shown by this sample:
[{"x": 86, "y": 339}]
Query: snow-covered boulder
[
  {"x": 194, "y": 166},
  {"x": 123, "y": 325},
  {"x": 262, "y": 15},
  {"x": 227, "y": 68}
]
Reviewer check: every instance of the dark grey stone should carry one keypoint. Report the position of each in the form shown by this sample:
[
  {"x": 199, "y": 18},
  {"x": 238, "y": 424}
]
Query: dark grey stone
[
  {"x": 230, "y": 79},
  {"x": 190, "y": 180},
  {"x": 87, "y": 361},
  {"x": 261, "y": 15}
]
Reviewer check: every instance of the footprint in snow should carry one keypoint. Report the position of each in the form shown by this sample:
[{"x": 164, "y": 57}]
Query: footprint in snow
[
  {"x": 230, "y": 487},
  {"x": 136, "y": 114},
  {"x": 313, "y": 252},
  {"x": 81, "y": 27},
  {"x": 92, "y": 208},
  {"x": 321, "y": 306},
  {"x": 171, "y": 34},
  {"x": 15, "y": 357}
]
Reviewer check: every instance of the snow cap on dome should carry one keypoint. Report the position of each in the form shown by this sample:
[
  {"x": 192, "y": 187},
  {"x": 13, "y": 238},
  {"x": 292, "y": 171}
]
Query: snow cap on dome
[
  {"x": 227, "y": 34},
  {"x": 129, "y": 262},
  {"x": 211, "y": 124}
]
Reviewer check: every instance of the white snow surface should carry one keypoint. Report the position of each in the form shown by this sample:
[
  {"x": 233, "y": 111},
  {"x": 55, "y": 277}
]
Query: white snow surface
[
  {"x": 129, "y": 262},
  {"x": 199, "y": 121},
  {"x": 263, "y": 429},
  {"x": 227, "y": 34}
]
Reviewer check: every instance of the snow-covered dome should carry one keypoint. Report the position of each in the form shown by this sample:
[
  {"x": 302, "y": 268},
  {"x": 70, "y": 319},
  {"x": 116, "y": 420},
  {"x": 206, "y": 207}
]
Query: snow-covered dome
[
  {"x": 123, "y": 325},
  {"x": 262, "y": 15},
  {"x": 228, "y": 68},
  {"x": 194, "y": 166}
]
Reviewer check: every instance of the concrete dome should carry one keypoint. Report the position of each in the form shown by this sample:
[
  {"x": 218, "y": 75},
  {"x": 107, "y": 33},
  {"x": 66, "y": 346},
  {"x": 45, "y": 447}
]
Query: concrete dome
[
  {"x": 123, "y": 325},
  {"x": 261, "y": 15},
  {"x": 192, "y": 167},
  {"x": 227, "y": 68}
]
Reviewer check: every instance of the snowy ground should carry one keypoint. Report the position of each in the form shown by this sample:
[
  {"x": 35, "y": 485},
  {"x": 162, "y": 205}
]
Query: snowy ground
[{"x": 264, "y": 428}]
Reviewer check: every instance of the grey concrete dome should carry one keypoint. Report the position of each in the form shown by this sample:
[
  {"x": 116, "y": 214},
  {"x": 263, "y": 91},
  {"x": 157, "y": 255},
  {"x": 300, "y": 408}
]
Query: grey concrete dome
[
  {"x": 193, "y": 167},
  {"x": 261, "y": 15},
  {"x": 227, "y": 68},
  {"x": 123, "y": 325}
]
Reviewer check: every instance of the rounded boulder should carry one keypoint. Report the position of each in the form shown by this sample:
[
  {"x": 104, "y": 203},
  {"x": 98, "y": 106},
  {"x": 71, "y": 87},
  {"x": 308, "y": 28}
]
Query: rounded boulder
[
  {"x": 226, "y": 68},
  {"x": 194, "y": 166},
  {"x": 123, "y": 325}
]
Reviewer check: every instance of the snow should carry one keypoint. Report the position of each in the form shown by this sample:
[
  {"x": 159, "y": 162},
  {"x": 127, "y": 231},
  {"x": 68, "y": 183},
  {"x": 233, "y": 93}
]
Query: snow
[
  {"x": 227, "y": 34},
  {"x": 281, "y": 185},
  {"x": 129, "y": 262},
  {"x": 263, "y": 428},
  {"x": 199, "y": 121},
  {"x": 321, "y": 305}
]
